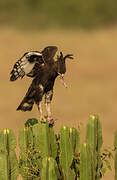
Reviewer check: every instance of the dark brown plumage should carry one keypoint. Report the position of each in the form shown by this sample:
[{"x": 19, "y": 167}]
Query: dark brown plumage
[{"x": 44, "y": 73}]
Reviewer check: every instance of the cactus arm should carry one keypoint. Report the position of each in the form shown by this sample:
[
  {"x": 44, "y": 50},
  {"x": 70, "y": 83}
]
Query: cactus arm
[
  {"x": 3, "y": 166},
  {"x": 43, "y": 139},
  {"x": 35, "y": 133},
  {"x": 85, "y": 166},
  {"x": 66, "y": 153},
  {"x": 44, "y": 169},
  {"x": 116, "y": 165},
  {"x": 94, "y": 141},
  {"x": 65, "y": 148},
  {"x": 49, "y": 169},
  {"x": 13, "y": 165},
  {"x": 52, "y": 143},
  {"x": 75, "y": 140},
  {"x": 91, "y": 141},
  {"x": 53, "y": 169},
  {"x": 8, "y": 159},
  {"x": 115, "y": 145},
  {"x": 22, "y": 139},
  {"x": 99, "y": 142}
]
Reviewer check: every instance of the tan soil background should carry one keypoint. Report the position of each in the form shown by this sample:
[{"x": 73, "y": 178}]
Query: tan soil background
[{"x": 91, "y": 78}]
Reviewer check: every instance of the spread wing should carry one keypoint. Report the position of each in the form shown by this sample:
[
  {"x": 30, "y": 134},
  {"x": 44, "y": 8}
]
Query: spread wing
[{"x": 27, "y": 64}]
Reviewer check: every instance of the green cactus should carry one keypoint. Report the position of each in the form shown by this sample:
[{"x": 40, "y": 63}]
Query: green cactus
[
  {"x": 85, "y": 164},
  {"x": 36, "y": 141},
  {"x": 35, "y": 133},
  {"x": 30, "y": 160},
  {"x": 52, "y": 143},
  {"x": 8, "y": 159},
  {"x": 94, "y": 141},
  {"x": 99, "y": 142},
  {"x": 29, "y": 136},
  {"x": 49, "y": 169},
  {"x": 44, "y": 155},
  {"x": 75, "y": 140},
  {"x": 115, "y": 140},
  {"x": 31, "y": 122},
  {"x": 25, "y": 140},
  {"x": 66, "y": 153},
  {"x": 115, "y": 145},
  {"x": 47, "y": 140},
  {"x": 43, "y": 139}
]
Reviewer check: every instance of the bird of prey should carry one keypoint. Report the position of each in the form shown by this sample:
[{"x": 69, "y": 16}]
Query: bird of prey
[{"x": 42, "y": 67}]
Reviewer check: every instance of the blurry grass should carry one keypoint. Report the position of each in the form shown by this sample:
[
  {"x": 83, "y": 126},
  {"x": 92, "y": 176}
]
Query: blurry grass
[
  {"x": 46, "y": 14},
  {"x": 91, "y": 78}
]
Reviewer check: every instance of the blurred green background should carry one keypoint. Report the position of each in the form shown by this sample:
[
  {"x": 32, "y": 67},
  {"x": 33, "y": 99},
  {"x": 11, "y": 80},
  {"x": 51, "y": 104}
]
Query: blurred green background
[{"x": 70, "y": 13}]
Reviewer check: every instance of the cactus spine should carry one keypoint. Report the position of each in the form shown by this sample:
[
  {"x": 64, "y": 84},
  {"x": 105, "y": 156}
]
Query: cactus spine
[{"x": 8, "y": 160}]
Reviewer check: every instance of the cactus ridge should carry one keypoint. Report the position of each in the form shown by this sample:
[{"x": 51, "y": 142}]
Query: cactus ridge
[{"x": 8, "y": 159}]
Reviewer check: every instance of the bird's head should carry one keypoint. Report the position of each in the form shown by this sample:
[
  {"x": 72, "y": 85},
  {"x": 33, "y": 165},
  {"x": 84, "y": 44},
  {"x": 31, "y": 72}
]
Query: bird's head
[
  {"x": 61, "y": 66},
  {"x": 48, "y": 53}
]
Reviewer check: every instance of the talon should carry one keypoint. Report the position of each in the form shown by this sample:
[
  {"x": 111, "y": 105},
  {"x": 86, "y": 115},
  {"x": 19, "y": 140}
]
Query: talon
[
  {"x": 50, "y": 120},
  {"x": 69, "y": 56},
  {"x": 42, "y": 119}
]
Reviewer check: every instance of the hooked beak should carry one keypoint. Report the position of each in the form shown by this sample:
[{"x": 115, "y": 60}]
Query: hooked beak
[{"x": 61, "y": 76}]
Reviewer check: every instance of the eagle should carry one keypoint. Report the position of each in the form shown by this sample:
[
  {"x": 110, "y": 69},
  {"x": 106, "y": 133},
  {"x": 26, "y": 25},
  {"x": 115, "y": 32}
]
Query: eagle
[{"x": 43, "y": 69}]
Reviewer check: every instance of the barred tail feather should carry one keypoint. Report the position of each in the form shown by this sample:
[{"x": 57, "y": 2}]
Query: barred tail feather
[{"x": 26, "y": 105}]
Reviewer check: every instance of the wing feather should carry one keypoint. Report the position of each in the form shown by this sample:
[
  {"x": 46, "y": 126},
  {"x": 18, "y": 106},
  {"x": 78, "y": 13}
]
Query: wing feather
[{"x": 26, "y": 64}]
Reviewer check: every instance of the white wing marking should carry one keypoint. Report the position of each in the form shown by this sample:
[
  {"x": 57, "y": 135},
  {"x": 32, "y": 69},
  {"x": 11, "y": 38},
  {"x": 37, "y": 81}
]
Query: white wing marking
[
  {"x": 23, "y": 66},
  {"x": 28, "y": 67}
]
